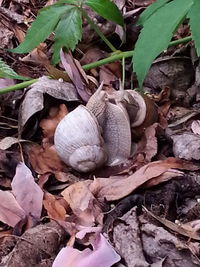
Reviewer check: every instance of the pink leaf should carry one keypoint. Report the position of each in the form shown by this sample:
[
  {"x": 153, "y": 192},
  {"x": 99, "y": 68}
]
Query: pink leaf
[
  {"x": 27, "y": 193},
  {"x": 10, "y": 211},
  {"x": 102, "y": 255}
]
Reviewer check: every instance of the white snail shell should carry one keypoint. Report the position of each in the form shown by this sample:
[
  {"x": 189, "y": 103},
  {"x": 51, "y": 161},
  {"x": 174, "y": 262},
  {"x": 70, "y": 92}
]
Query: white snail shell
[{"x": 78, "y": 140}]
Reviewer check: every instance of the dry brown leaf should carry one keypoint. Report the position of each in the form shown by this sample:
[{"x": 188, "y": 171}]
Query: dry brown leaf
[
  {"x": 168, "y": 175},
  {"x": 76, "y": 74},
  {"x": 116, "y": 188},
  {"x": 151, "y": 147},
  {"x": 45, "y": 160},
  {"x": 83, "y": 203},
  {"x": 54, "y": 208},
  {"x": 37, "y": 55},
  {"x": 92, "y": 54}
]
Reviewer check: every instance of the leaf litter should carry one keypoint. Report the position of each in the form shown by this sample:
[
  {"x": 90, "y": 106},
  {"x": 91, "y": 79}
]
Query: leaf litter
[{"x": 53, "y": 215}]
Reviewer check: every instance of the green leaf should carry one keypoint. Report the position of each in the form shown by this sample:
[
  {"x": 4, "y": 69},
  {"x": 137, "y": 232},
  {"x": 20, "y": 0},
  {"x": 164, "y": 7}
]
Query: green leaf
[
  {"x": 194, "y": 16},
  {"x": 107, "y": 10},
  {"x": 68, "y": 32},
  {"x": 150, "y": 10},
  {"x": 75, "y": 2},
  {"x": 42, "y": 27},
  {"x": 7, "y": 72},
  {"x": 156, "y": 35}
]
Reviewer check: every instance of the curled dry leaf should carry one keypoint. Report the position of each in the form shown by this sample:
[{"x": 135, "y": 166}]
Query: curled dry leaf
[
  {"x": 10, "y": 210},
  {"x": 8, "y": 141},
  {"x": 54, "y": 208},
  {"x": 83, "y": 204},
  {"x": 102, "y": 255},
  {"x": 116, "y": 188},
  {"x": 151, "y": 147},
  {"x": 76, "y": 74},
  {"x": 34, "y": 97},
  {"x": 27, "y": 193}
]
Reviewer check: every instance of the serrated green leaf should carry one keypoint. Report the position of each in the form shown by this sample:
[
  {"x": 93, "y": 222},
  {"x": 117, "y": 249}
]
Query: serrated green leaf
[
  {"x": 107, "y": 10},
  {"x": 42, "y": 27},
  {"x": 156, "y": 35},
  {"x": 68, "y": 32},
  {"x": 150, "y": 10},
  {"x": 194, "y": 16},
  {"x": 7, "y": 72}
]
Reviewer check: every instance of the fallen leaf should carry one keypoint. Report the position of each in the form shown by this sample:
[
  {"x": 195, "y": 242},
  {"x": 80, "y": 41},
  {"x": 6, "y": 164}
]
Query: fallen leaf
[
  {"x": 102, "y": 255},
  {"x": 8, "y": 141},
  {"x": 10, "y": 211},
  {"x": 166, "y": 176},
  {"x": 45, "y": 159},
  {"x": 54, "y": 209},
  {"x": 74, "y": 73},
  {"x": 92, "y": 54},
  {"x": 27, "y": 193},
  {"x": 116, "y": 188},
  {"x": 34, "y": 97},
  {"x": 183, "y": 229},
  {"x": 83, "y": 204},
  {"x": 151, "y": 147}
]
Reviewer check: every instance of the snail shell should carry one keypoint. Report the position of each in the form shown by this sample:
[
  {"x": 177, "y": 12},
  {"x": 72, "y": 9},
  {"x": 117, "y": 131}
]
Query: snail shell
[
  {"x": 115, "y": 124},
  {"x": 117, "y": 134},
  {"x": 78, "y": 140}
]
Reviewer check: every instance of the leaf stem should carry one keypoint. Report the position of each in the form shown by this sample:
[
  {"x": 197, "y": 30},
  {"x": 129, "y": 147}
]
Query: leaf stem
[
  {"x": 97, "y": 30},
  {"x": 112, "y": 58}
]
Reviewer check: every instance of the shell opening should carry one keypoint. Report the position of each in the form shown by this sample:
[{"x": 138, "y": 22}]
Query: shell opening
[{"x": 87, "y": 158}]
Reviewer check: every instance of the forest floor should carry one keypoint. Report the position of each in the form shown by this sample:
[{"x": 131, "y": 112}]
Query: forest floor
[{"x": 142, "y": 212}]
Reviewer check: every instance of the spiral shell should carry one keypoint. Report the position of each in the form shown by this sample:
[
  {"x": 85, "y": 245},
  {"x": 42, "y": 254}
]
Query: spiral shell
[{"x": 78, "y": 140}]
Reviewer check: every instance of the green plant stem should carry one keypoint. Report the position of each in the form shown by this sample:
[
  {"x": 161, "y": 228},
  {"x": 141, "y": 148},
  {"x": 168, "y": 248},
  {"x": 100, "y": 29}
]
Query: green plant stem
[
  {"x": 112, "y": 58},
  {"x": 97, "y": 30},
  {"x": 123, "y": 72},
  {"x": 17, "y": 86},
  {"x": 180, "y": 41}
]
